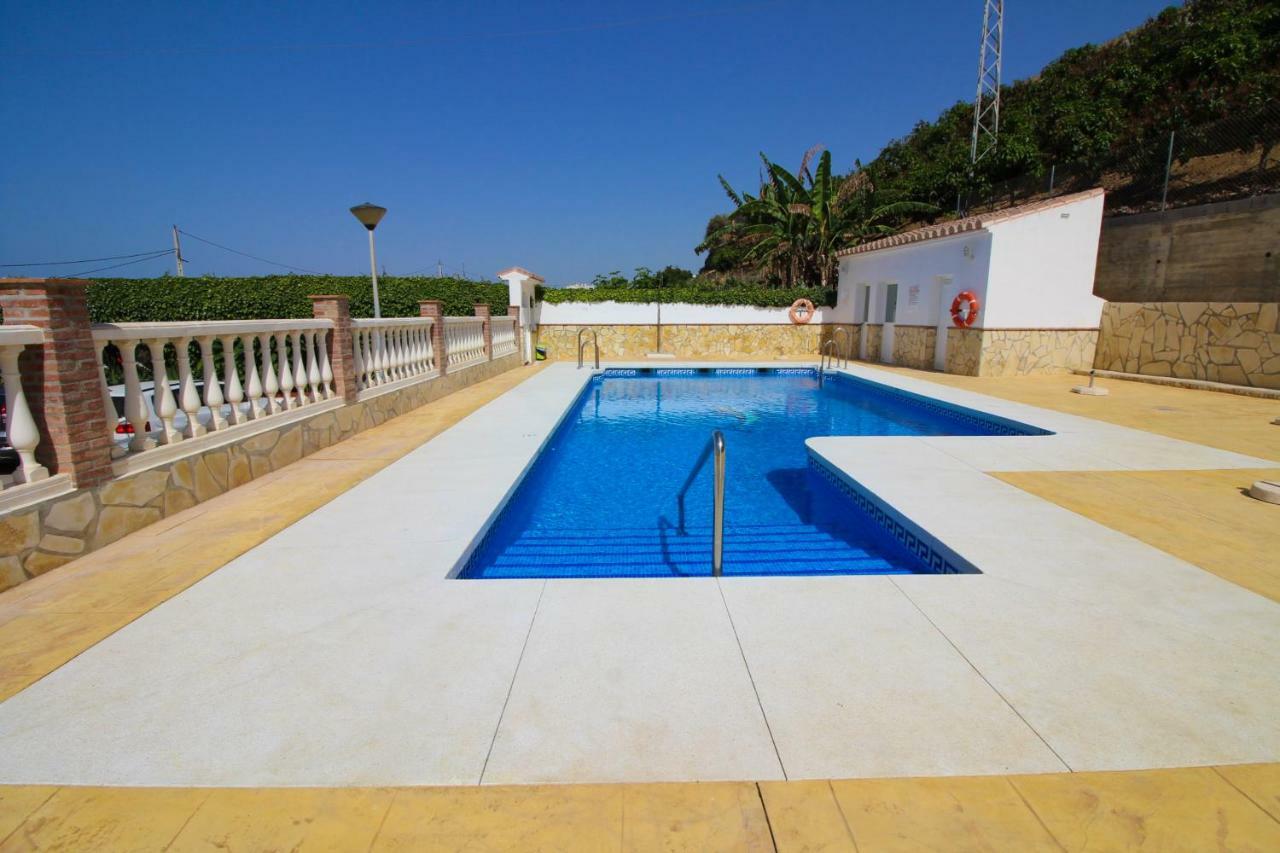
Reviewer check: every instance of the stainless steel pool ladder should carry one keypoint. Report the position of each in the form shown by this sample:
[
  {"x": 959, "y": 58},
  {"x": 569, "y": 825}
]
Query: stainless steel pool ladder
[
  {"x": 595, "y": 341},
  {"x": 832, "y": 351},
  {"x": 715, "y": 450}
]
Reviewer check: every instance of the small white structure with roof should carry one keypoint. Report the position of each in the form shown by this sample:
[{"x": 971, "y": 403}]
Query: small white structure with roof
[
  {"x": 522, "y": 288},
  {"x": 1030, "y": 269}
]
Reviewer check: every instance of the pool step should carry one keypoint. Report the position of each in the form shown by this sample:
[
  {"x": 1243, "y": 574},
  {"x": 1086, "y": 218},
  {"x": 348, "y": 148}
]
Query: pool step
[{"x": 773, "y": 549}]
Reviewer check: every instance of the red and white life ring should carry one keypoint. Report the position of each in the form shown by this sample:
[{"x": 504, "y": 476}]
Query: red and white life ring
[
  {"x": 964, "y": 319},
  {"x": 801, "y": 311}
]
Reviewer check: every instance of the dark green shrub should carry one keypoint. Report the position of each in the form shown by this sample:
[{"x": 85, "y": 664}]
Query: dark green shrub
[{"x": 128, "y": 300}]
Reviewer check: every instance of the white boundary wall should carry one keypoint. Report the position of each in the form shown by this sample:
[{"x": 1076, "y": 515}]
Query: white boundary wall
[{"x": 673, "y": 314}]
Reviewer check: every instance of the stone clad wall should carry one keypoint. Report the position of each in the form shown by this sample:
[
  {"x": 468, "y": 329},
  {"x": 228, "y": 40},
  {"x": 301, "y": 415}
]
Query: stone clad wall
[
  {"x": 1237, "y": 343},
  {"x": 913, "y": 346},
  {"x": 964, "y": 351},
  {"x": 36, "y": 539},
  {"x": 727, "y": 341},
  {"x": 875, "y": 336},
  {"x": 1019, "y": 352}
]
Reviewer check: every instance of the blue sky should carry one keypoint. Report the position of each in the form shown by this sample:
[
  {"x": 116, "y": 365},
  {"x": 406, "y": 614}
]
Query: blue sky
[{"x": 569, "y": 138}]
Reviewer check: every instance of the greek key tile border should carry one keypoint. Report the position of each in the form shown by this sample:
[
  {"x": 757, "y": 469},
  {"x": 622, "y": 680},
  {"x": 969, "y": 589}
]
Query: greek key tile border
[{"x": 929, "y": 551}]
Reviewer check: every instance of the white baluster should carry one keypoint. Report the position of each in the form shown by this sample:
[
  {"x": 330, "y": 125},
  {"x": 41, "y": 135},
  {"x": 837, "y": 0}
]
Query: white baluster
[
  {"x": 299, "y": 369},
  {"x": 162, "y": 395},
  {"x": 188, "y": 396},
  {"x": 231, "y": 376},
  {"x": 326, "y": 369},
  {"x": 24, "y": 436},
  {"x": 357, "y": 353},
  {"x": 398, "y": 332},
  {"x": 108, "y": 405},
  {"x": 270, "y": 385},
  {"x": 431, "y": 345},
  {"x": 135, "y": 407},
  {"x": 379, "y": 357},
  {"x": 418, "y": 350},
  {"x": 212, "y": 388},
  {"x": 286, "y": 373},
  {"x": 254, "y": 387},
  {"x": 315, "y": 373}
]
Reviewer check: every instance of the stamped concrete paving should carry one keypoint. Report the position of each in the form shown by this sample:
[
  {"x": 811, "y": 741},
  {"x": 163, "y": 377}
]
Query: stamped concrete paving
[
  {"x": 339, "y": 652},
  {"x": 1190, "y": 809}
]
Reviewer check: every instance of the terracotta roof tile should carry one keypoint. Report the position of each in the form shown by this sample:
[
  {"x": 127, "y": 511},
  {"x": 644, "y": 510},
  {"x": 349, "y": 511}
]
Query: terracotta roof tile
[
  {"x": 523, "y": 272},
  {"x": 969, "y": 223}
]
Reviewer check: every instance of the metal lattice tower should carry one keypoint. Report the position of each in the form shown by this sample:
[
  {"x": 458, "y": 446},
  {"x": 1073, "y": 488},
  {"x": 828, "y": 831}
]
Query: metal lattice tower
[{"x": 986, "y": 107}]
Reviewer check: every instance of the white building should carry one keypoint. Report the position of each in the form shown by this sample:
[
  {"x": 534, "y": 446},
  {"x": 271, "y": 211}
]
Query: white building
[{"x": 1031, "y": 269}]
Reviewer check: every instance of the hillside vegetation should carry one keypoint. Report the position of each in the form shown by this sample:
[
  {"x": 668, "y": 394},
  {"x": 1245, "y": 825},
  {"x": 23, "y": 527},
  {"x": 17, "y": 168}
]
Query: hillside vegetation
[{"x": 1095, "y": 106}]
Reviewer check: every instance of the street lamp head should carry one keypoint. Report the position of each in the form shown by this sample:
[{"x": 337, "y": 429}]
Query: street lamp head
[{"x": 368, "y": 214}]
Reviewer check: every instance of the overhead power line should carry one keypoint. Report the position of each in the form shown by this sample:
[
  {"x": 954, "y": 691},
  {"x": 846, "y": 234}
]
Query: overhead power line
[
  {"x": 87, "y": 260},
  {"x": 150, "y": 257},
  {"x": 247, "y": 255}
]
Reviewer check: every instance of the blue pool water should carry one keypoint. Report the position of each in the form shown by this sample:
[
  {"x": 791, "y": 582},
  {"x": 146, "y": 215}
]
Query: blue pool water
[{"x": 601, "y": 499}]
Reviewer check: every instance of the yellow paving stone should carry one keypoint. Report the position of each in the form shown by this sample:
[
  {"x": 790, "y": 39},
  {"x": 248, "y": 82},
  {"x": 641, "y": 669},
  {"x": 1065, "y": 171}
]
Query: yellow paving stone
[
  {"x": 805, "y": 816},
  {"x": 76, "y": 819},
  {"x": 1259, "y": 782},
  {"x": 553, "y": 818},
  {"x": 952, "y": 814},
  {"x": 1182, "y": 809},
  {"x": 38, "y": 643},
  {"x": 694, "y": 816},
  {"x": 18, "y": 802},
  {"x": 11, "y": 685},
  {"x": 1199, "y": 516},
  {"x": 1227, "y": 421},
  {"x": 311, "y": 819}
]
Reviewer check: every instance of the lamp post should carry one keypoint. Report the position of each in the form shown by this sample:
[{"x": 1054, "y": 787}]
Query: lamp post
[{"x": 370, "y": 215}]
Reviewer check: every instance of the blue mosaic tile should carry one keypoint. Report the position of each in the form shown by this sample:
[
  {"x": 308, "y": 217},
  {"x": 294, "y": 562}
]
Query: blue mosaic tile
[{"x": 928, "y": 550}]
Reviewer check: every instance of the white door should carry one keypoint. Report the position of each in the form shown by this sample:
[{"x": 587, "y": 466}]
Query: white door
[
  {"x": 890, "y": 318},
  {"x": 945, "y": 295}
]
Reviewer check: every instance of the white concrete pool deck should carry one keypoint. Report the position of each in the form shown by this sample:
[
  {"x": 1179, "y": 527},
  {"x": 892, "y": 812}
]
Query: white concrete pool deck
[{"x": 340, "y": 652}]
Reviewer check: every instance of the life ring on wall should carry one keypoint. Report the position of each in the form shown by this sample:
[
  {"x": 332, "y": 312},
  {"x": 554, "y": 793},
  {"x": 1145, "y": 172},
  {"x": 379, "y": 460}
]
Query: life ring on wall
[
  {"x": 964, "y": 299},
  {"x": 801, "y": 311}
]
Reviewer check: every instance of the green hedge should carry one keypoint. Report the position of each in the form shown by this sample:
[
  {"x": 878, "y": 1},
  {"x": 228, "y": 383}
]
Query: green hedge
[
  {"x": 761, "y": 297},
  {"x": 132, "y": 300}
]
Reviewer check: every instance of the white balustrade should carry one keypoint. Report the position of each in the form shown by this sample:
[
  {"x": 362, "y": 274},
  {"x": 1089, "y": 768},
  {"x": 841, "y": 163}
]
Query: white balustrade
[
  {"x": 253, "y": 383},
  {"x": 504, "y": 336},
  {"x": 464, "y": 340},
  {"x": 19, "y": 424},
  {"x": 391, "y": 349}
]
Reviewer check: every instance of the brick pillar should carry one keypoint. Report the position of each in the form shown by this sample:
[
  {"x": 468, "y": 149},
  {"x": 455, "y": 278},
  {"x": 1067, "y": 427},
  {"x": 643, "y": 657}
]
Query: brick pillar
[
  {"x": 342, "y": 359},
  {"x": 434, "y": 309},
  {"x": 63, "y": 382},
  {"x": 482, "y": 311}
]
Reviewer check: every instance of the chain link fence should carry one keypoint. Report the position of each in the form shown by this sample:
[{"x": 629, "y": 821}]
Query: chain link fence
[{"x": 1236, "y": 157}]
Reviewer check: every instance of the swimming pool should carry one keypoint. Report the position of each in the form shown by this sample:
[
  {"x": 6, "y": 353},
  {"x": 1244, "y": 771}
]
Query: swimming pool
[{"x": 601, "y": 499}]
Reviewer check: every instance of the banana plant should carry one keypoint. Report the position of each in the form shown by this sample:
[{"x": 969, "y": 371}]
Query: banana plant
[{"x": 797, "y": 222}]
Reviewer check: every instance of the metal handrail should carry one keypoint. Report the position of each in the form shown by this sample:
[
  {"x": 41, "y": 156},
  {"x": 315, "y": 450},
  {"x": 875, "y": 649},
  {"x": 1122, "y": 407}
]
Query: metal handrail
[
  {"x": 831, "y": 350},
  {"x": 595, "y": 339},
  {"x": 714, "y": 447},
  {"x": 848, "y": 343},
  {"x": 717, "y": 531}
]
